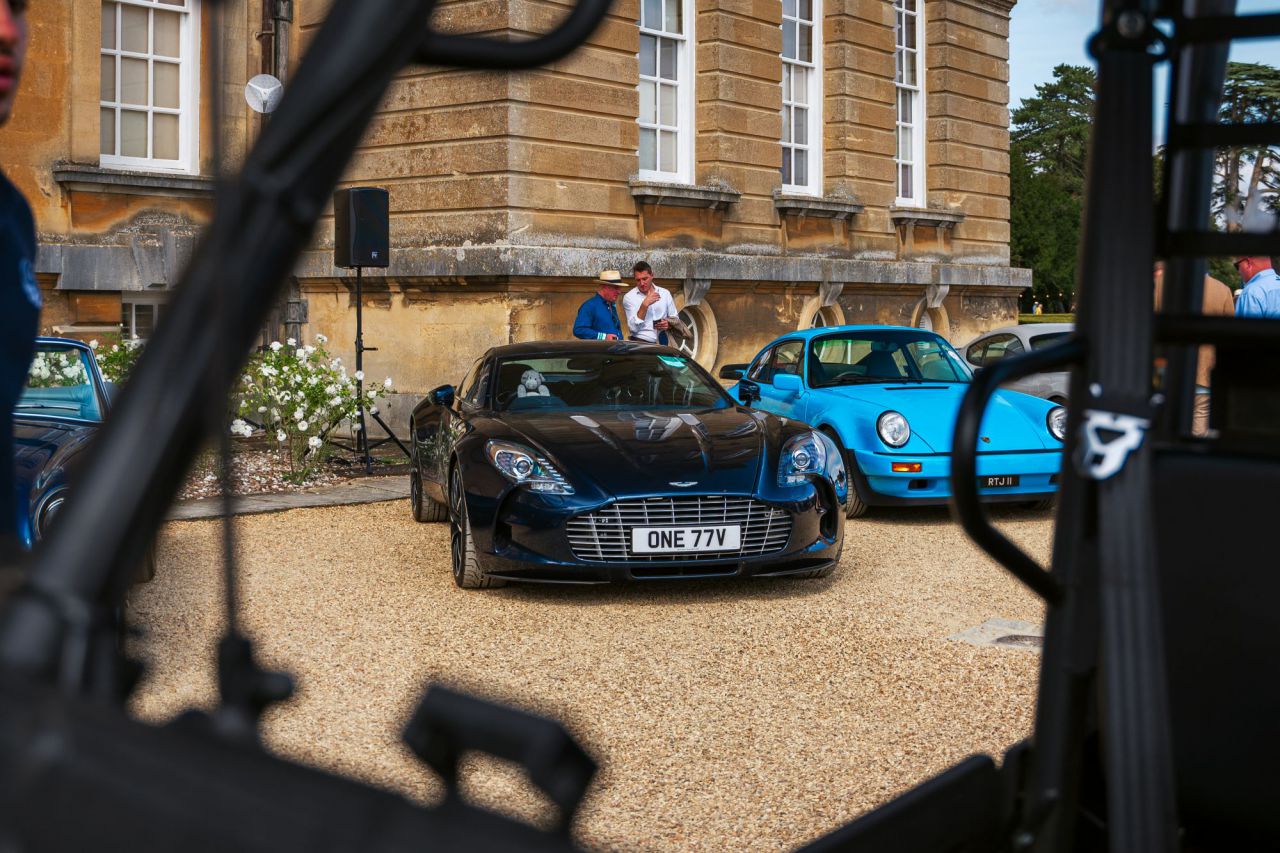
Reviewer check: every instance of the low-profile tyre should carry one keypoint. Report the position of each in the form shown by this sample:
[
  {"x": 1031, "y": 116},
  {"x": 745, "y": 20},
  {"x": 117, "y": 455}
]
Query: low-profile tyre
[
  {"x": 466, "y": 565},
  {"x": 854, "y": 506},
  {"x": 424, "y": 508}
]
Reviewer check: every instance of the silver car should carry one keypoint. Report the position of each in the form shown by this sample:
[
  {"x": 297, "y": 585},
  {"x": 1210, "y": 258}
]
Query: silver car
[{"x": 1014, "y": 340}]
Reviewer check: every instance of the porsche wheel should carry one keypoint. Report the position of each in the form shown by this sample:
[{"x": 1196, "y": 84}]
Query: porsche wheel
[
  {"x": 424, "y": 508},
  {"x": 854, "y": 506},
  {"x": 466, "y": 567}
]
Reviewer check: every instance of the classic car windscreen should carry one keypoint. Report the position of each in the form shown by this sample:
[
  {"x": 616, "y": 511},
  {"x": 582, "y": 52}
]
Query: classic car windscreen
[
  {"x": 60, "y": 384},
  {"x": 605, "y": 380},
  {"x": 889, "y": 355}
]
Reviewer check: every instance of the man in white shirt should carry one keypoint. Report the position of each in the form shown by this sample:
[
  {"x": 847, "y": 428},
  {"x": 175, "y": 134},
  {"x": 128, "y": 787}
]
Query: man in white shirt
[{"x": 648, "y": 307}]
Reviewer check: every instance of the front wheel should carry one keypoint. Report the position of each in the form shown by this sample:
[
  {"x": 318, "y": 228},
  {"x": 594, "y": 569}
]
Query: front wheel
[
  {"x": 466, "y": 565},
  {"x": 854, "y": 506}
]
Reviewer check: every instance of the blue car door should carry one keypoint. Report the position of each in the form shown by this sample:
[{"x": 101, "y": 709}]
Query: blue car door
[{"x": 786, "y": 357}]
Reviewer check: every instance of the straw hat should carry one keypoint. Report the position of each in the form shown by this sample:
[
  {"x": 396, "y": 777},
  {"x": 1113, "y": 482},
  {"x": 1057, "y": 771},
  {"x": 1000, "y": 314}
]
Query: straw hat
[{"x": 611, "y": 277}]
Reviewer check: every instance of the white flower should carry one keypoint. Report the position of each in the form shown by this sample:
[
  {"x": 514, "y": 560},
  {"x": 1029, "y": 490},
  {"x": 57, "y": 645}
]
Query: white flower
[
  {"x": 359, "y": 375},
  {"x": 302, "y": 426},
  {"x": 302, "y": 354},
  {"x": 292, "y": 342},
  {"x": 301, "y": 414},
  {"x": 262, "y": 410},
  {"x": 276, "y": 346},
  {"x": 321, "y": 339},
  {"x": 280, "y": 435},
  {"x": 312, "y": 380},
  {"x": 331, "y": 388},
  {"x": 93, "y": 344},
  {"x": 373, "y": 410},
  {"x": 372, "y": 393},
  {"x": 355, "y": 426},
  {"x": 335, "y": 402},
  {"x": 239, "y": 427},
  {"x": 386, "y": 383},
  {"x": 314, "y": 441}
]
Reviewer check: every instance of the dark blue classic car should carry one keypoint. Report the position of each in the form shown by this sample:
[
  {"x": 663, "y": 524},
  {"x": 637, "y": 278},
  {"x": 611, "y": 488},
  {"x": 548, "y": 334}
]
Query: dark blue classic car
[
  {"x": 596, "y": 461},
  {"x": 60, "y": 410}
]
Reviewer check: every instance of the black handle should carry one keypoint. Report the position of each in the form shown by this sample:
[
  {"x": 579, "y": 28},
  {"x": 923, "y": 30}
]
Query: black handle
[
  {"x": 480, "y": 52},
  {"x": 448, "y": 723},
  {"x": 964, "y": 461}
]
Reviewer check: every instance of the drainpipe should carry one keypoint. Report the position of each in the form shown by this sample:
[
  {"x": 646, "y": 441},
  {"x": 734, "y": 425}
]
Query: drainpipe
[{"x": 281, "y": 19}]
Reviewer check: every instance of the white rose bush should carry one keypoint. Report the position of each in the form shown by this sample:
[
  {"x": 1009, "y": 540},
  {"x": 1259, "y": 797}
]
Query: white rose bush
[
  {"x": 117, "y": 358},
  {"x": 56, "y": 370},
  {"x": 298, "y": 394}
]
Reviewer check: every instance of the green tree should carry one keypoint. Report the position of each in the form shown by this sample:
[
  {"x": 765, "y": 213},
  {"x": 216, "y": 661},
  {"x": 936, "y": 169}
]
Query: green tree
[
  {"x": 1248, "y": 179},
  {"x": 1050, "y": 142},
  {"x": 1052, "y": 128}
]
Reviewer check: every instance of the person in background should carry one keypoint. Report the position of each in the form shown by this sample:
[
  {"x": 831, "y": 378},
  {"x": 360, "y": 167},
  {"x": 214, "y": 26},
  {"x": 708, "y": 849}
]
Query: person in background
[
  {"x": 598, "y": 317},
  {"x": 648, "y": 307},
  {"x": 19, "y": 293},
  {"x": 1261, "y": 294},
  {"x": 1217, "y": 300}
]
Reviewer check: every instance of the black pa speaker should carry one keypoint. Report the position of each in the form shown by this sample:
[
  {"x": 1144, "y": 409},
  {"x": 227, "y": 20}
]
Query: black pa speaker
[{"x": 361, "y": 229}]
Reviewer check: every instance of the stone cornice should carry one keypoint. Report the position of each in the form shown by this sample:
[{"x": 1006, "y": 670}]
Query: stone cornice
[
  {"x": 682, "y": 195},
  {"x": 450, "y": 266},
  {"x": 935, "y": 217},
  {"x": 1000, "y": 7},
  {"x": 74, "y": 176},
  {"x": 807, "y": 205}
]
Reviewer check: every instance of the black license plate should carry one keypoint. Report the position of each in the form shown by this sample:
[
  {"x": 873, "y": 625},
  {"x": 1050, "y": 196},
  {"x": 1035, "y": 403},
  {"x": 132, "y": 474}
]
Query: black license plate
[{"x": 998, "y": 481}]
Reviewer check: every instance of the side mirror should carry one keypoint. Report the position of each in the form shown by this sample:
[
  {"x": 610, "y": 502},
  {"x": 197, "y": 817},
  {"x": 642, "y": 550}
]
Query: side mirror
[
  {"x": 442, "y": 396},
  {"x": 748, "y": 392},
  {"x": 788, "y": 382},
  {"x": 733, "y": 371}
]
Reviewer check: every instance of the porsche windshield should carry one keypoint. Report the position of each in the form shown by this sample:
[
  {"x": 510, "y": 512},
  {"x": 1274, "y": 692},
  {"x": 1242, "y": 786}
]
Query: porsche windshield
[
  {"x": 605, "y": 380},
  {"x": 60, "y": 384},
  {"x": 883, "y": 355}
]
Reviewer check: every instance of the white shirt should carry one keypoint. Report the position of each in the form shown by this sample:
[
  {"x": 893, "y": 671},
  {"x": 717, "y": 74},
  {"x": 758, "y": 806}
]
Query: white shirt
[{"x": 662, "y": 309}]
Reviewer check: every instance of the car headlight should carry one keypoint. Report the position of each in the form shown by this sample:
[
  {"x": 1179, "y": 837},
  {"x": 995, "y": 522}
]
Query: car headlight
[
  {"x": 521, "y": 465},
  {"x": 803, "y": 456},
  {"x": 893, "y": 429},
  {"x": 1056, "y": 420}
]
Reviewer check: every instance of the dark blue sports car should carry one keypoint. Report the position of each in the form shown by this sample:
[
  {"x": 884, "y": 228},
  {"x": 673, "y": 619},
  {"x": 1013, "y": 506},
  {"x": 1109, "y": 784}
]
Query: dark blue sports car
[
  {"x": 59, "y": 412},
  {"x": 596, "y": 461}
]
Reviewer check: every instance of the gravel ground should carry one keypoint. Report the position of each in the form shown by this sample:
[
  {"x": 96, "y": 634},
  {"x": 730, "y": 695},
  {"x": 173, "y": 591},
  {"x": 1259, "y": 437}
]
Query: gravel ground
[{"x": 725, "y": 715}]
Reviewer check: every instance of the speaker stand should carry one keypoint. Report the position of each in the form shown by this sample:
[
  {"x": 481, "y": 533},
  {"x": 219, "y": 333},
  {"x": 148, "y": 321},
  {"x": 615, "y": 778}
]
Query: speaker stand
[{"x": 363, "y": 445}]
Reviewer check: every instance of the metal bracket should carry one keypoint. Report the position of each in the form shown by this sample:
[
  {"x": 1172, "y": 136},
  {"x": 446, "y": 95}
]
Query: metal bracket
[
  {"x": 1100, "y": 458},
  {"x": 695, "y": 289}
]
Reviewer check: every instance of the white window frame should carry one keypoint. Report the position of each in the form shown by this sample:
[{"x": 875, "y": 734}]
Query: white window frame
[
  {"x": 134, "y": 298},
  {"x": 684, "y": 127},
  {"x": 188, "y": 89},
  {"x": 916, "y": 120},
  {"x": 815, "y": 148}
]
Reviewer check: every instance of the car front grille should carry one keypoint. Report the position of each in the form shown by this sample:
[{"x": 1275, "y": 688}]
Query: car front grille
[{"x": 604, "y": 536}]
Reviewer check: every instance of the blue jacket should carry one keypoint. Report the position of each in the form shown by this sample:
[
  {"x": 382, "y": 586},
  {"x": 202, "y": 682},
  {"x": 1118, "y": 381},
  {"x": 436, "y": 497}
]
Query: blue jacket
[{"x": 597, "y": 318}]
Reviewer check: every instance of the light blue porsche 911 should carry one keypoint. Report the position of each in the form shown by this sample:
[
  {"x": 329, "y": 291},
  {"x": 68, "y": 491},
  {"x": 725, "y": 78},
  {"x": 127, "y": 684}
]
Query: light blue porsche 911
[{"x": 888, "y": 396}]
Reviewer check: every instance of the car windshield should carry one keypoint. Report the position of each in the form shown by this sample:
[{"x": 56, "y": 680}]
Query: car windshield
[
  {"x": 883, "y": 355},
  {"x": 60, "y": 384},
  {"x": 610, "y": 380}
]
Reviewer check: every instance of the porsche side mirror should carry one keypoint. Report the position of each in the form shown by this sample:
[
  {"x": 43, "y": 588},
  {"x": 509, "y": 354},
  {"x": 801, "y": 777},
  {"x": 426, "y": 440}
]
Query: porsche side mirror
[
  {"x": 442, "y": 396},
  {"x": 748, "y": 392},
  {"x": 733, "y": 371},
  {"x": 787, "y": 382}
]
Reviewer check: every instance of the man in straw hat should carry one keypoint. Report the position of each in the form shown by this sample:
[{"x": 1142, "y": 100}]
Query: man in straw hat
[{"x": 598, "y": 316}]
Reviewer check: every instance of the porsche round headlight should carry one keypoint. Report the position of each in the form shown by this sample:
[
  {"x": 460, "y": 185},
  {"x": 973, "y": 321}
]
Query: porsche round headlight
[
  {"x": 893, "y": 429},
  {"x": 1056, "y": 420}
]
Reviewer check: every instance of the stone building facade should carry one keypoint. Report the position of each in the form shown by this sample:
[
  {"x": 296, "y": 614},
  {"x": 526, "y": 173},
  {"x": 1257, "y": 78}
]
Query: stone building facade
[{"x": 780, "y": 163}]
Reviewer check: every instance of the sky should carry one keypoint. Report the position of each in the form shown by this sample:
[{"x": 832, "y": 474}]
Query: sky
[{"x": 1045, "y": 33}]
